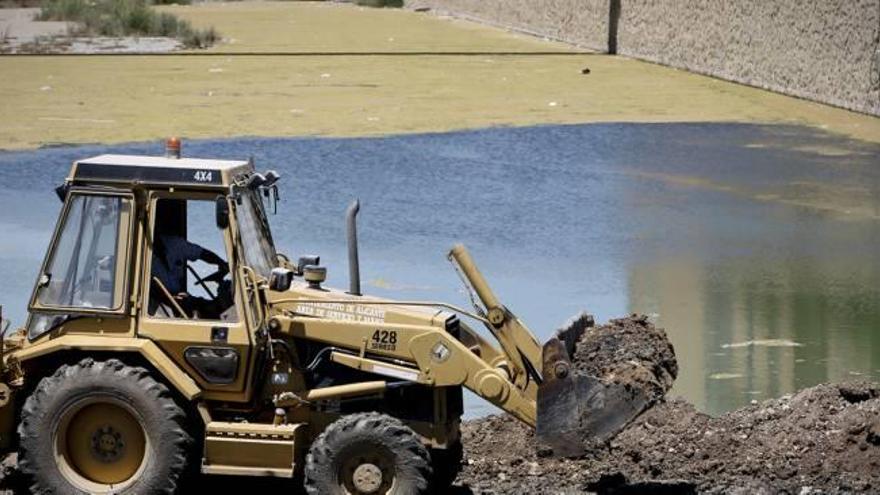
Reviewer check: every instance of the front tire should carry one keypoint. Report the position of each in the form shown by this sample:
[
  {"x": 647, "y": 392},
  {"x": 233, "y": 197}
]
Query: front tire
[
  {"x": 101, "y": 427},
  {"x": 367, "y": 454}
]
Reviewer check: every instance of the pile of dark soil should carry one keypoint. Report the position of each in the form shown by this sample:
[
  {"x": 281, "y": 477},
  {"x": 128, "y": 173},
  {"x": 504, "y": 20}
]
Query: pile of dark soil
[
  {"x": 629, "y": 351},
  {"x": 824, "y": 439},
  {"x": 620, "y": 369}
]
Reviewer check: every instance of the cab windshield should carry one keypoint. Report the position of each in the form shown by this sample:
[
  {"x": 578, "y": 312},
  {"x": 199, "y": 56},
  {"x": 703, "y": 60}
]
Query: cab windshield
[{"x": 256, "y": 238}]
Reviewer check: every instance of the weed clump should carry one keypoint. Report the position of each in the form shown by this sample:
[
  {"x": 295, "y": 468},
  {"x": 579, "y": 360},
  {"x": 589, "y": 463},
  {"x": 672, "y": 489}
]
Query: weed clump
[
  {"x": 380, "y": 3},
  {"x": 126, "y": 18}
]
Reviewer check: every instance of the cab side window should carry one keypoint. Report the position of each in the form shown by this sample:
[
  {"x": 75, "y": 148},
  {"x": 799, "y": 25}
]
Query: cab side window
[
  {"x": 81, "y": 271},
  {"x": 189, "y": 269}
]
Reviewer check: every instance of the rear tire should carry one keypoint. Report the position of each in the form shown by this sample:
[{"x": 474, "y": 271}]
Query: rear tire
[
  {"x": 367, "y": 454},
  {"x": 102, "y": 427}
]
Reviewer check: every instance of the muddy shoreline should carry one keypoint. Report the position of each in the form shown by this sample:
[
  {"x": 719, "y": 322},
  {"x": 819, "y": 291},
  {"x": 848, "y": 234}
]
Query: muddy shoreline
[{"x": 824, "y": 439}]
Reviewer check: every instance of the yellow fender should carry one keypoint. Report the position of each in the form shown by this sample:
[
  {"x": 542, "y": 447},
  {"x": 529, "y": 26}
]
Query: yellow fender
[{"x": 146, "y": 348}]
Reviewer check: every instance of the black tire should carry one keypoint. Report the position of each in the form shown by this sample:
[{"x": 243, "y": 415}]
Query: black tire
[
  {"x": 447, "y": 464},
  {"x": 353, "y": 443},
  {"x": 107, "y": 418}
]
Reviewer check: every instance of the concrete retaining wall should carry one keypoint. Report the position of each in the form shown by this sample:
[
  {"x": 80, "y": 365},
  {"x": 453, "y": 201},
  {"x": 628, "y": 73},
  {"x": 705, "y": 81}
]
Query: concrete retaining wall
[
  {"x": 580, "y": 22},
  {"x": 823, "y": 50}
]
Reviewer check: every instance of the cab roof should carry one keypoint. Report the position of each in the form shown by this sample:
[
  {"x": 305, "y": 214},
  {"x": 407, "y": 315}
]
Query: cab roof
[{"x": 160, "y": 170}]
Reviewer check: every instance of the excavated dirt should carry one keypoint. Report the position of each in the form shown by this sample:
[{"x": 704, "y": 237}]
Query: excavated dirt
[
  {"x": 629, "y": 351},
  {"x": 625, "y": 366},
  {"x": 824, "y": 439}
]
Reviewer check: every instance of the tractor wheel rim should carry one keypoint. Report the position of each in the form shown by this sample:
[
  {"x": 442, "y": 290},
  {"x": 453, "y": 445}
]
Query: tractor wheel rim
[
  {"x": 367, "y": 478},
  {"x": 100, "y": 444},
  {"x": 369, "y": 473}
]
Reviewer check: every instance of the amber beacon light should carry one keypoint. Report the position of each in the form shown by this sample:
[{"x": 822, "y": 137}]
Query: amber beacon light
[{"x": 172, "y": 147}]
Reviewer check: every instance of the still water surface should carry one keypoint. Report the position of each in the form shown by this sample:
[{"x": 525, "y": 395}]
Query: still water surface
[{"x": 701, "y": 226}]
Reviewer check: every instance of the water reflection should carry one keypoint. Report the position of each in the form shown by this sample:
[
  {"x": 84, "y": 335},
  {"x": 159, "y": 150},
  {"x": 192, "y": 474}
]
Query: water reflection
[
  {"x": 758, "y": 328},
  {"x": 728, "y": 234}
]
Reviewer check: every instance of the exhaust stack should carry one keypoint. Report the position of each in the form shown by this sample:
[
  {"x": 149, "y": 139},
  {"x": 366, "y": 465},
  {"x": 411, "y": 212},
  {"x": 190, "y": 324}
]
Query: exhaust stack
[{"x": 354, "y": 271}]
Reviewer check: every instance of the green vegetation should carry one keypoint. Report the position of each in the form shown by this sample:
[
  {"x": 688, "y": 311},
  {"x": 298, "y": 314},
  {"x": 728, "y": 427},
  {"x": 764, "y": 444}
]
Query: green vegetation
[
  {"x": 380, "y": 3},
  {"x": 17, "y": 4},
  {"x": 126, "y": 18}
]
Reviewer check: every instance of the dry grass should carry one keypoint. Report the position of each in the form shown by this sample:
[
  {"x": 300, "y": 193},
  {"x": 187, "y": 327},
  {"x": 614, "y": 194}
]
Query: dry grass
[{"x": 118, "y": 99}]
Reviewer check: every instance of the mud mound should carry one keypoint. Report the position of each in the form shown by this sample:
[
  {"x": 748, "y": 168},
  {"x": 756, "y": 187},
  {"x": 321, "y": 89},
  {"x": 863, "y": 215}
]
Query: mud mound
[
  {"x": 824, "y": 439},
  {"x": 620, "y": 369},
  {"x": 629, "y": 351}
]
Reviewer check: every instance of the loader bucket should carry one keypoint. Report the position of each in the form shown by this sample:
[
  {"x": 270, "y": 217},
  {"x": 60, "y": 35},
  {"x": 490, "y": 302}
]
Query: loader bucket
[{"x": 576, "y": 410}]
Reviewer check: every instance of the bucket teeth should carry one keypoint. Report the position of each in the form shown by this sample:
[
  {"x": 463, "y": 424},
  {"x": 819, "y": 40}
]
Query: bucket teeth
[{"x": 571, "y": 332}]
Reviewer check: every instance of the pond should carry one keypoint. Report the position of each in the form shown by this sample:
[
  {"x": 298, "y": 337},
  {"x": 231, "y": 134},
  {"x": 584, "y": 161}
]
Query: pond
[{"x": 755, "y": 246}]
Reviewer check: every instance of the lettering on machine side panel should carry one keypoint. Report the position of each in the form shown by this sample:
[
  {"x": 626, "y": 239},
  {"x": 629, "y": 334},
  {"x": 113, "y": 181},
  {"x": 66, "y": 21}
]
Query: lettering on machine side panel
[{"x": 342, "y": 311}]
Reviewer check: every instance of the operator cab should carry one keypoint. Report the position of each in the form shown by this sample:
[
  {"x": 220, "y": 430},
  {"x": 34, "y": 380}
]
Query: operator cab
[{"x": 155, "y": 234}]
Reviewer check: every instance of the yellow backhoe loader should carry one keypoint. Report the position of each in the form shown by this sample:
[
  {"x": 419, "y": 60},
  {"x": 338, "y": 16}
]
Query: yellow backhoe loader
[{"x": 135, "y": 366}]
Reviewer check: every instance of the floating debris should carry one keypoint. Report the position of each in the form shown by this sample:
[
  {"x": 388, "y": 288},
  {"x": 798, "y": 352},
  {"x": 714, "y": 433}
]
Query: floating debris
[
  {"x": 763, "y": 343},
  {"x": 725, "y": 376}
]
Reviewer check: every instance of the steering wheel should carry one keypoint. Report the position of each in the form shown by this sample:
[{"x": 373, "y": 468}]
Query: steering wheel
[
  {"x": 215, "y": 277},
  {"x": 174, "y": 304}
]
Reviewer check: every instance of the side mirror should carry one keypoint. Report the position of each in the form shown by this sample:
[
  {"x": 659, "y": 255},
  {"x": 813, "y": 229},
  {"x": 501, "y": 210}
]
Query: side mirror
[
  {"x": 271, "y": 177},
  {"x": 256, "y": 180},
  {"x": 280, "y": 279},
  {"x": 221, "y": 212}
]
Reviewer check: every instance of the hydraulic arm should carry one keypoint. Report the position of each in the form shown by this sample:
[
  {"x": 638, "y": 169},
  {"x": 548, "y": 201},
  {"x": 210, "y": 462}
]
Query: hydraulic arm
[{"x": 519, "y": 344}]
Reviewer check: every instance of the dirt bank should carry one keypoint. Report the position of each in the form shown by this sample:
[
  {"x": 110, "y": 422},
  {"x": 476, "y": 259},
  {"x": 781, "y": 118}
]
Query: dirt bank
[{"x": 824, "y": 439}]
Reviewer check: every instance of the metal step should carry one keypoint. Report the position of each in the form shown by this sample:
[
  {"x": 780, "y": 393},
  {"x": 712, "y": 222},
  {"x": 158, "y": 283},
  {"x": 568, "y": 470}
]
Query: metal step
[{"x": 252, "y": 449}]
